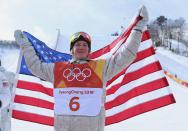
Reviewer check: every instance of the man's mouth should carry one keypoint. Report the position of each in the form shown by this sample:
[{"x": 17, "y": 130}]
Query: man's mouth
[{"x": 81, "y": 51}]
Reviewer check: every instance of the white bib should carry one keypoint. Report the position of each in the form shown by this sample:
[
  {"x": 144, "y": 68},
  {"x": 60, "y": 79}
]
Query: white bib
[{"x": 78, "y": 101}]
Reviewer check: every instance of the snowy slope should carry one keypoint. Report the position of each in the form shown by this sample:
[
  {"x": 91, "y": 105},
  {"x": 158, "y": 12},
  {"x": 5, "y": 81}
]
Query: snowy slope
[
  {"x": 174, "y": 64},
  {"x": 170, "y": 118},
  {"x": 178, "y": 46},
  {"x": 9, "y": 59}
]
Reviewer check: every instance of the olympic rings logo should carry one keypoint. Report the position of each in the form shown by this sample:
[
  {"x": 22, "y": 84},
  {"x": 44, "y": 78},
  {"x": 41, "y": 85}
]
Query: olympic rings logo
[{"x": 76, "y": 73}]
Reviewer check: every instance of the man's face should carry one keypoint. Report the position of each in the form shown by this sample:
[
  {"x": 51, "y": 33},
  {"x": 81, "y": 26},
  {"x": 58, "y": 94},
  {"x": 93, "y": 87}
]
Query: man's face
[{"x": 80, "y": 50}]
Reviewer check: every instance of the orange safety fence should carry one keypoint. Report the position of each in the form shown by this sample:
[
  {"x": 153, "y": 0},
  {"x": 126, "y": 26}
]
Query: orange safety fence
[{"x": 178, "y": 80}]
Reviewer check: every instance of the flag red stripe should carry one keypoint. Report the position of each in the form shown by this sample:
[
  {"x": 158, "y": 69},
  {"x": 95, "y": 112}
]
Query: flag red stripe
[
  {"x": 34, "y": 102},
  {"x": 146, "y": 35},
  {"x": 139, "y": 109},
  {"x": 144, "y": 54},
  {"x": 116, "y": 76},
  {"x": 34, "y": 87},
  {"x": 150, "y": 68},
  {"x": 154, "y": 85},
  {"x": 141, "y": 55},
  {"x": 26, "y": 116}
]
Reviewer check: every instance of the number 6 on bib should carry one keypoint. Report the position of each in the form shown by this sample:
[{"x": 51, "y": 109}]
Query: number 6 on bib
[{"x": 74, "y": 105}]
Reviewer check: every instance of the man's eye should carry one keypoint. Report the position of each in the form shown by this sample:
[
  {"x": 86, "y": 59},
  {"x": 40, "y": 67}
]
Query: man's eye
[
  {"x": 77, "y": 44},
  {"x": 85, "y": 45}
]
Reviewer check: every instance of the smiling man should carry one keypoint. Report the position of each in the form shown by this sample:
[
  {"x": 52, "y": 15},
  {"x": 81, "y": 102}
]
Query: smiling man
[
  {"x": 81, "y": 42},
  {"x": 79, "y": 85}
]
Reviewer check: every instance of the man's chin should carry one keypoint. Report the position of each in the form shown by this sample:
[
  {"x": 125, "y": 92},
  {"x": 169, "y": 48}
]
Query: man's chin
[{"x": 81, "y": 57}]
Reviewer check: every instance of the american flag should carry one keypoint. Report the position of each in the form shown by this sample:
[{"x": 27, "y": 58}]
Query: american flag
[{"x": 139, "y": 88}]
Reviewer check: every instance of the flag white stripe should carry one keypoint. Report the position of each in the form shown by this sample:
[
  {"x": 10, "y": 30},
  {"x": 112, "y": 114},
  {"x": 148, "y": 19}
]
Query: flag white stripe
[
  {"x": 131, "y": 85},
  {"x": 138, "y": 100},
  {"x": 118, "y": 80},
  {"x": 34, "y": 94},
  {"x": 140, "y": 64},
  {"x": 33, "y": 109},
  {"x": 145, "y": 45},
  {"x": 34, "y": 79}
]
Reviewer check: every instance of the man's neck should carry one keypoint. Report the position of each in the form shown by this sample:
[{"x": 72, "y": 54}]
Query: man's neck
[{"x": 79, "y": 61}]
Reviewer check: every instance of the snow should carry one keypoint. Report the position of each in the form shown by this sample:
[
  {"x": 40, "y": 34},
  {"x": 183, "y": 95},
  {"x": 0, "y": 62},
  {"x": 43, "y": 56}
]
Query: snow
[
  {"x": 174, "y": 64},
  {"x": 185, "y": 37},
  {"x": 9, "y": 59},
  {"x": 175, "y": 45},
  {"x": 169, "y": 118}
]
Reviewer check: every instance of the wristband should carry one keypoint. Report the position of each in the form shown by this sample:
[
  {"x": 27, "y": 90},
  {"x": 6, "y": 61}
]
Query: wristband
[{"x": 138, "y": 30}]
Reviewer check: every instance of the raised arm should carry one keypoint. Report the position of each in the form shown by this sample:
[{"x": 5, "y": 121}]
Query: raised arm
[
  {"x": 127, "y": 53},
  {"x": 35, "y": 65}
]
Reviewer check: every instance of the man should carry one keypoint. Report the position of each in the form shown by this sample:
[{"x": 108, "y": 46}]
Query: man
[
  {"x": 79, "y": 85},
  {"x": 6, "y": 84}
]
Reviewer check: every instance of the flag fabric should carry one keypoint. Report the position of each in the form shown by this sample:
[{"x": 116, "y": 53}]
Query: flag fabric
[{"x": 139, "y": 88}]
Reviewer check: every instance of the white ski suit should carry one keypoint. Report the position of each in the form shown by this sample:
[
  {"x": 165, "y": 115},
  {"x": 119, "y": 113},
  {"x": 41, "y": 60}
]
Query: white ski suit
[{"x": 6, "y": 85}]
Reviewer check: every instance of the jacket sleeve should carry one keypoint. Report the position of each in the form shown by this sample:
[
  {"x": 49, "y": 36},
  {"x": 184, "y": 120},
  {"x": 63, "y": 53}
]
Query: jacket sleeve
[
  {"x": 123, "y": 57},
  {"x": 35, "y": 65}
]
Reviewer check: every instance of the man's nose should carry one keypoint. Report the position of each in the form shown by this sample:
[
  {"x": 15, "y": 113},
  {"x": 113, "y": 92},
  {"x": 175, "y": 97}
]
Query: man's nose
[{"x": 81, "y": 47}]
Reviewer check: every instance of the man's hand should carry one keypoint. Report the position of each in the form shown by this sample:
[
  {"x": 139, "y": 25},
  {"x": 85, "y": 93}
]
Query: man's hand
[
  {"x": 143, "y": 22},
  {"x": 20, "y": 37}
]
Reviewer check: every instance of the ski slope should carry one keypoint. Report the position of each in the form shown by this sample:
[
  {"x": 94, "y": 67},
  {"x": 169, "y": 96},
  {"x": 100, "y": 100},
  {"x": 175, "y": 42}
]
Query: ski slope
[
  {"x": 174, "y": 64},
  {"x": 169, "y": 118},
  {"x": 9, "y": 59}
]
